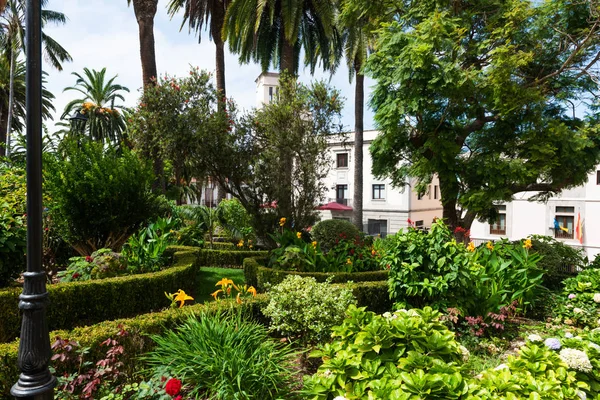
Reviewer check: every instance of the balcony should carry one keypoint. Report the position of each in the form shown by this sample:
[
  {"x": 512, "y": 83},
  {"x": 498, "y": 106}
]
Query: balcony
[{"x": 346, "y": 202}]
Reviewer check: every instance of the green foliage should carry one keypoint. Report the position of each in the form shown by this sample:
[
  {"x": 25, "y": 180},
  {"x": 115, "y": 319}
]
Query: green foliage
[
  {"x": 330, "y": 231},
  {"x": 559, "y": 261},
  {"x": 100, "y": 196},
  {"x": 13, "y": 224},
  {"x": 305, "y": 310},
  {"x": 103, "y": 263},
  {"x": 579, "y": 302},
  {"x": 145, "y": 251},
  {"x": 278, "y": 154},
  {"x": 227, "y": 258},
  {"x": 468, "y": 94},
  {"x": 235, "y": 220},
  {"x": 432, "y": 269},
  {"x": 80, "y": 303},
  {"x": 135, "y": 344},
  {"x": 104, "y": 120},
  {"x": 223, "y": 357},
  {"x": 404, "y": 355},
  {"x": 171, "y": 122}
]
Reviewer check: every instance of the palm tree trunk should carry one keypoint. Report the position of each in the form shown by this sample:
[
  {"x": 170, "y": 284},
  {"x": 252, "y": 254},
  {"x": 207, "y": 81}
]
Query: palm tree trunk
[
  {"x": 218, "y": 19},
  {"x": 287, "y": 57},
  {"x": 359, "y": 101},
  {"x": 11, "y": 100},
  {"x": 145, "y": 10},
  {"x": 3, "y": 125}
]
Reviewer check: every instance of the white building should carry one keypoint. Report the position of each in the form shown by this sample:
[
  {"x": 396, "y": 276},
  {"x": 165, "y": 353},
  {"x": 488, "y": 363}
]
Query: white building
[
  {"x": 521, "y": 218},
  {"x": 385, "y": 209}
]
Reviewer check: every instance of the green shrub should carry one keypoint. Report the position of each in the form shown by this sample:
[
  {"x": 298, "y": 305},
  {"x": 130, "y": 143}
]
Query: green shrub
[
  {"x": 78, "y": 303},
  {"x": 145, "y": 250},
  {"x": 306, "y": 310},
  {"x": 235, "y": 220},
  {"x": 559, "y": 261},
  {"x": 226, "y": 258},
  {"x": 328, "y": 232},
  {"x": 103, "y": 263},
  {"x": 13, "y": 224},
  {"x": 431, "y": 268},
  {"x": 100, "y": 196},
  {"x": 579, "y": 302},
  {"x": 404, "y": 355},
  {"x": 374, "y": 296},
  {"x": 223, "y": 357},
  {"x": 136, "y": 343}
]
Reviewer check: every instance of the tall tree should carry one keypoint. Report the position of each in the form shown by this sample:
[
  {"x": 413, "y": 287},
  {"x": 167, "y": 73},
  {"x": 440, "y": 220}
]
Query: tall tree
[
  {"x": 275, "y": 31},
  {"x": 481, "y": 94},
  {"x": 104, "y": 118},
  {"x": 197, "y": 14},
  {"x": 145, "y": 10},
  {"x": 12, "y": 41}
]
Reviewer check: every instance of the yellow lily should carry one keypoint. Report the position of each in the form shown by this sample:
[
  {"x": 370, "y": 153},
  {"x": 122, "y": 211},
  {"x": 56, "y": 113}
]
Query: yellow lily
[
  {"x": 252, "y": 290},
  {"x": 182, "y": 297},
  {"x": 224, "y": 282},
  {"x": 216, "y": 293}
]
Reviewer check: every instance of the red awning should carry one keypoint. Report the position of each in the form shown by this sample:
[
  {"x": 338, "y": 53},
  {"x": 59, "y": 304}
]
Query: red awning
[{"x": 334, "y": 206}]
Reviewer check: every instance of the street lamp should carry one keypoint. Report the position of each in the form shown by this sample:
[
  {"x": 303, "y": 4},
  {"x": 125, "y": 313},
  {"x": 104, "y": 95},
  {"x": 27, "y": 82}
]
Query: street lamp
[
  {"x": 35, "y": 382},
  {"x": 78, "y": 121}
]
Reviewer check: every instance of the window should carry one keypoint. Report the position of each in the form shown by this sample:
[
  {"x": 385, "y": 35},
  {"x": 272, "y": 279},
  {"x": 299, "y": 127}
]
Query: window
[
  {"x": 340, "y": 194},
  {"x": 429, "y": 192},
  {"x": 419, "y": 224},
  {"x": 564, "y": 222},
  {"x": 597, "y": 177},
  {"x": 342, "y": 160},
  {"x": 435, "y": 192},
  {"x": 499, "y": 226},
  {"x": 378, "y": 192},
  {"x": 419, "y": 196},
  {"x": 377, "y": 227},
  {"x": 270, "y": 94}
]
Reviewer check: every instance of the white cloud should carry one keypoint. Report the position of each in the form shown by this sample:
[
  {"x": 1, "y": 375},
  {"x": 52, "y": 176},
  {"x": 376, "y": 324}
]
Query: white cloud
[{"x": 107, "y": 36}]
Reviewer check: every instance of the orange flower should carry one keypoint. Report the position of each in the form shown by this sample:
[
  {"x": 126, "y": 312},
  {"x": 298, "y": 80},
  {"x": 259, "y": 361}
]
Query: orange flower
[
  {"x": 224, "y": 282},
  {"x": 252, "y": 290},
  {"x": 471, "y": 246},
  {"x": 527, "y": 244},
  {"x": 216, "y": 293}
]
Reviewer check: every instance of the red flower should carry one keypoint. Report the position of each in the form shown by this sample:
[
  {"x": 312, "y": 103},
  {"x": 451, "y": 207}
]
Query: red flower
[
  {"x": 88, "y": 259},
  {"x": 459, "y": 229},
  {"x": 173, "y": 387},
  {"x": 76, "y": 275},
  {"x": 178, "y": 398}
]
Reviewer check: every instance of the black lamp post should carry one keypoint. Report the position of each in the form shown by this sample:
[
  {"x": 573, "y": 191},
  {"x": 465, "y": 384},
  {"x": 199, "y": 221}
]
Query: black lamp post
[
  {"x": 35, "y": 382},
  {"x": 78, "y": 121}
]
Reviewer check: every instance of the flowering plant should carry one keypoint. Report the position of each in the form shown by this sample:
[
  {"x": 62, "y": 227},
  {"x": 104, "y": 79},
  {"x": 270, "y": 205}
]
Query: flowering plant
[
  {"x": 227, "y": 288},
  {"x": 178, "y": 297}
]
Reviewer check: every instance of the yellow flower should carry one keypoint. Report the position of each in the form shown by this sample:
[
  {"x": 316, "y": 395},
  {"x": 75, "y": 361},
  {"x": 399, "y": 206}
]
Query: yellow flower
[
  {"x": 182, "y": 297},
  {"x": 250, "y": 246},
  {"x": 224, "y": 282},
  {"x": 282, "y": 221},
  {"x": 314, "y": 244},
  {"x": 252, "y": 290},
  {"x": 348, "y": 261},
  {"x": 238, "y": 299},
  {"x": 216, "y": 293},
  {"x": 489, "y": 245},
  {"x": 373, "y": 252},
  {"x": 299, "y": 235},
  {"x": 527, "y": 244},
  {"x": 471, "y": 246},
  {"x": 240, "y": 243}
]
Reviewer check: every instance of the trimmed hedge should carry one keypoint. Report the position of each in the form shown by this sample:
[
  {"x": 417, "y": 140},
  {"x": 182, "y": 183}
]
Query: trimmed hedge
[
  {"x": 136, "y": 343},
  {"x": 79, "y": 303},
  {"x": 220, "y": 246},
  {"x": 373, "y": 295},
  {"x": 226, "y": 258},
  {"x": 259, "y": 276}
]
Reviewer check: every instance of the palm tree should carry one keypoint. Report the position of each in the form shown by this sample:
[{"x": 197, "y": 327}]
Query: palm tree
[
  {"x": 197, "y": 13},
  {"x": 105, "y": 121},
  {"x": 274, "y": 32},
  {"x": 12, "y": 40},
  {"x": 145, "y": 10},
  {"x": 357, "y": 43}
]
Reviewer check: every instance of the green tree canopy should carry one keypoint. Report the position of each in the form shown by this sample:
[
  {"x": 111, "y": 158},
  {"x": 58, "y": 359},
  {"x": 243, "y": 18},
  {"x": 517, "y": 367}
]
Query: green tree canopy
[
  {"x": 172, "y": 120},
  {"x": 248, "y": 160},
  {"x": 483, "y": 94}
]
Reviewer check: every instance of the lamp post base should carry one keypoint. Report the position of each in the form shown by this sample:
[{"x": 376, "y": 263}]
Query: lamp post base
[{"x": 28, "y": 387}]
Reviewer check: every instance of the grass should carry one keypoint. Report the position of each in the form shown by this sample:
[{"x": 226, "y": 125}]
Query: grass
[{"x": 211, "y": 275}]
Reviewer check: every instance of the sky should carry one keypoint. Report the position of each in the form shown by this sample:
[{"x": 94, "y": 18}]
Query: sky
[{"x": 104, "y": 33}]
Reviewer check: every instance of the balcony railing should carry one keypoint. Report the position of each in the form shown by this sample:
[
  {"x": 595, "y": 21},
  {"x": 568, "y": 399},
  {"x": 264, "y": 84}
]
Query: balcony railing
[
  {"x": 346, "y": 202},
  {"x": 559, "y": 234},
  {"x": 497, "y": 231}
]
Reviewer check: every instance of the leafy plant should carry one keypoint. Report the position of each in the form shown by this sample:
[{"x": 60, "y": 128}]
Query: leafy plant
[
  {"x": 103, "y": 263},
  {"x": 224, "y": 357},
  {"x": 579, "y": 302},
  {"x": 13, "y": 224},
  {"x": 144, "y": 251},
  {"x": 100, "y": 196},
  {"x": 304, "y": 310},
  {"x": 558, "y": 260},
  {"x": 404, "y": 355},
  {"x": 329, "y": 232},
  {"x": 235, "y": 220}
]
